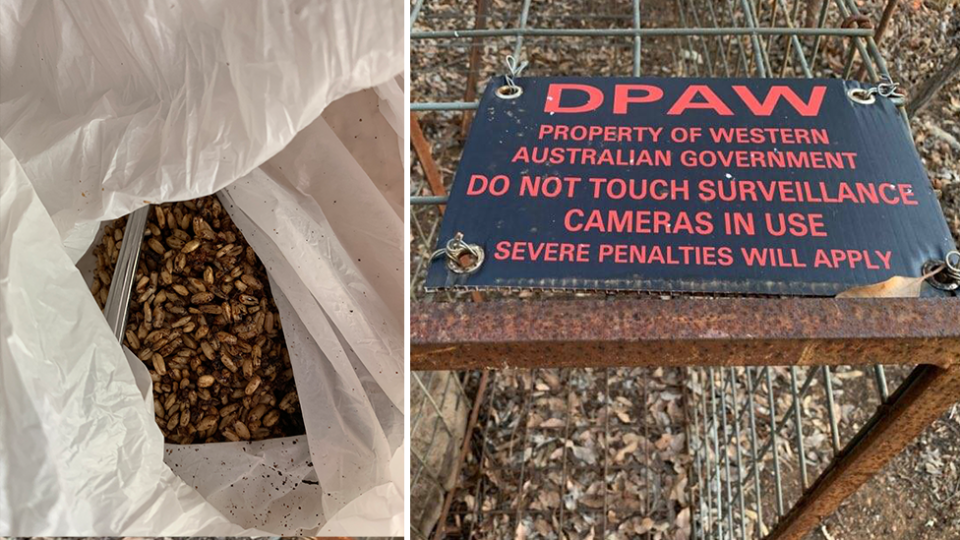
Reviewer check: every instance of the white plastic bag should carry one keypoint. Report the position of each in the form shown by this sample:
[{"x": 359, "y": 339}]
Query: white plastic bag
[{"x": 104, "y": 106}]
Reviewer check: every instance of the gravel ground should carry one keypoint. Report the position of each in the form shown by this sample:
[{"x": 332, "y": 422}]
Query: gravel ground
[
  {"x": 581, "y": 453},
  {"x": 921, "y": 39},
  {"x": 915, "y": 497}
]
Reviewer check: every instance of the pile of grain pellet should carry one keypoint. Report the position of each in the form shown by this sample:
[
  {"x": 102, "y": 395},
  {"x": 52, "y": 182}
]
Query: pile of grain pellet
[{"x": 203, "y": 321}]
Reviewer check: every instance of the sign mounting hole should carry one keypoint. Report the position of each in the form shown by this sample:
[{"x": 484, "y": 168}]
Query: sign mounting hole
[
  {"x": 941, "y": 280},
  {"x": 509, "y": 92},
  {"x": 861, "y": 96}
]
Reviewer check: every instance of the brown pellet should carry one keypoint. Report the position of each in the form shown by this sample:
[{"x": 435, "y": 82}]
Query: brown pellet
[
  {"x": 252, "y": 385},
  {"x": 203, "y": 321}
]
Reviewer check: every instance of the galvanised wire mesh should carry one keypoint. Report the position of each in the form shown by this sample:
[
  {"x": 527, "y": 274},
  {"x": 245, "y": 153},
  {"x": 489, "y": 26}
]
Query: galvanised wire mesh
[{"x": 439, "y": 402}]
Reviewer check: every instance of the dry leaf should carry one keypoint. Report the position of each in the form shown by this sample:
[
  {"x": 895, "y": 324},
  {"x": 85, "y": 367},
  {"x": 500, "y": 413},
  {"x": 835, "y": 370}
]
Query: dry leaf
[
  {"x": 626, "y": 450},
  {"x": 592, "y": 501},
  {"x": 631, "y": 438},
  {"x": 552, "y": 380},
  {"x": 583, "y": 453},
  {"x": 683, "y": 520},
  {"x": 521, "y": 532},
  {"x": 664, "y": 442},
  {"x": 679, "y": 492},
  {"x": 895, "y": 287},
  {"x": 851, "y": 374},
  {"x": 549, "y": 499},
  {"x": 552, "y": 423}
]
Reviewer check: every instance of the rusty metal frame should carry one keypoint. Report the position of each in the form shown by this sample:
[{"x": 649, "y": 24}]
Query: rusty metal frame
[
  {"x": 725, "y": 332},
  {"x": 684, "y": 332},
  {"x": 927, "y": 393}
]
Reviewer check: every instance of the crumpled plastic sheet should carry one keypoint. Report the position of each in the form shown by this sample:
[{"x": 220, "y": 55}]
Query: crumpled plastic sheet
[{"x": 105, "y": 106}]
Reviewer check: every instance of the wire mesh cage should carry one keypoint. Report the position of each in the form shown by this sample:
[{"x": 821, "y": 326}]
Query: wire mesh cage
[
  {"x": 576, "y": 453},
  {"x": 652, "y": 452},
  {"x": 439, "y": 403},
  {"x": 699, "y": 452},
  {"x": 759, "y": 436}
]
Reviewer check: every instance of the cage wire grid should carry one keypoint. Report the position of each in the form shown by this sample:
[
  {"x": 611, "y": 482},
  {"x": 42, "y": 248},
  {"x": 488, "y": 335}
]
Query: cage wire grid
[
  {"x": 575, "y": 452},
  {"x": 431, "y": 424},
  {"x": 748, "y": 432}
]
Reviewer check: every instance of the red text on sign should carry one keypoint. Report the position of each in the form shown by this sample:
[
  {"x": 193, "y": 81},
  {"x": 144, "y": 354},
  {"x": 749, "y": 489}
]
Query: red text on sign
[{"x": 696, "y": 97}]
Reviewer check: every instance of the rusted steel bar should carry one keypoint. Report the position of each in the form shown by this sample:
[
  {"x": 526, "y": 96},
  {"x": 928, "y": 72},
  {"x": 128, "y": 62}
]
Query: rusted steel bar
[
  {"x": 685, "y": 331},
  {"x": 421, "y": 147},
  {"x": 464, "y": 450},
  {"x": 926, "y": 394},
  {"x": 881, "y": 27},
  {"x": 885, "y": 19},
  {"x": 470, "y": 94}
]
